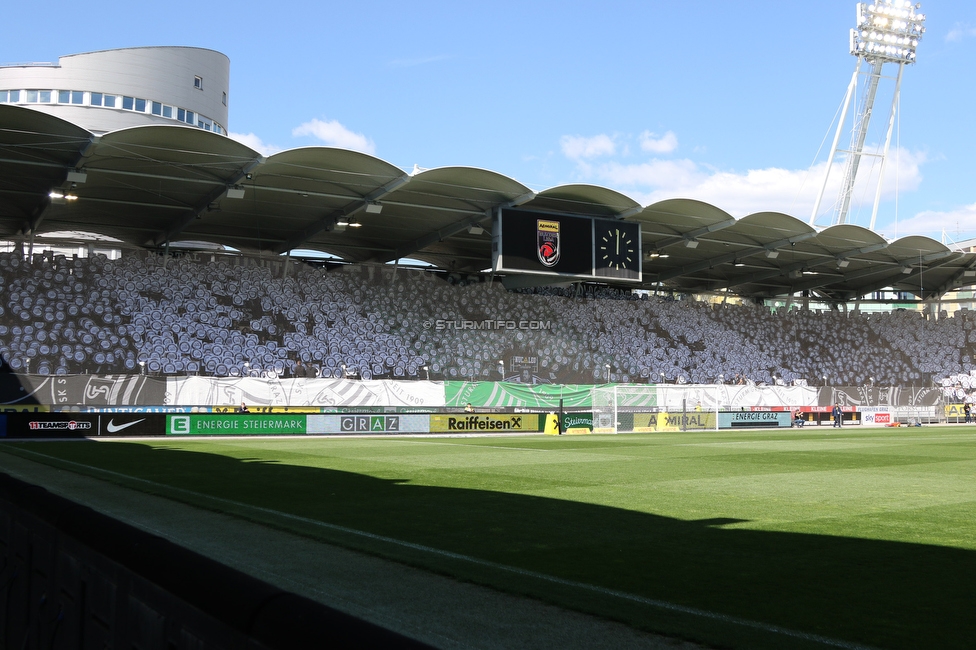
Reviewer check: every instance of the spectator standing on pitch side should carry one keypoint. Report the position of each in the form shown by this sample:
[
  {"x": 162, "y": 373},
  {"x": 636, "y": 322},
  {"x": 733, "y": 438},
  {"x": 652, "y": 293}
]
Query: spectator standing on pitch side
[{"x": 838, "y": 415}]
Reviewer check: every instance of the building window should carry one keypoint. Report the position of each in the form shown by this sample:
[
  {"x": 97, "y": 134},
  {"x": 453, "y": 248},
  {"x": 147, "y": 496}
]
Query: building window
[
  {"x": 168, "y": 111},
  {"x": 95, "y": 99},
  {"x": 225, "y": 99},
  {"x": 38, "y": 96},
  {"x": 14, "y": 96},
  {"x": 109, "y": 101},
  {"x": 198, "y": 83},
  {"x": 189, "y": 118},
  {"x": 71, "y": 97},
  {"x": 157, "y": 108},
  {"x": 181, "y": 114},
  {"x": 141, "y": 105},
  {"x": 128, "y": 103},
  {"x": 3, "y": 96}
]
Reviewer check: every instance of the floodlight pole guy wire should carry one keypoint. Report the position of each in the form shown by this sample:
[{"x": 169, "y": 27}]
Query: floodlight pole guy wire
[
  {"x": 833, "y": 147},
  {"x": 887, "y": 145}
]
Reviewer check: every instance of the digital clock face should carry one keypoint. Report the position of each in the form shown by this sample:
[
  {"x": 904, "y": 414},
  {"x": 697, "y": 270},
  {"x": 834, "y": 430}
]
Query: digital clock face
[{"x": 617, "y": 249}]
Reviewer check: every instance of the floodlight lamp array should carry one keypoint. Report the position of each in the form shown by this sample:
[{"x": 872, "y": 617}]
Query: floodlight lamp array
[{"x": 888, "y": 31}]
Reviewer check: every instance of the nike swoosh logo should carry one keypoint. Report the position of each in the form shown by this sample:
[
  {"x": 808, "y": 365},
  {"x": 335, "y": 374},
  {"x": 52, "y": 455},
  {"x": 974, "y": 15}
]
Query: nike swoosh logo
[{"x": 112, "y": 427}]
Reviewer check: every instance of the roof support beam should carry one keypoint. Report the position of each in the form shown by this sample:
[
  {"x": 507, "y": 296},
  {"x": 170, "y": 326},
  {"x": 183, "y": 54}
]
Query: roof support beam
[
  {"x": 691, "y": 235},
  {"x": 520, "y": 200},
  {"x": 32, "y": 163},
  {"x": 627, "y": 214},
  {"x": 740, "y": 254},
  {"x": 799, "y": 266},
  {"x": 951, "y": 282},
  {"x": 933, "y": 260},
  {"x": 476, "y": 218},
  {"x": 157, "y": 177},
  {"x": 37, "y": 217},
  {"x": 433, "y": 237},
  {"x": 186, "y": 219},
  {"x": 328, "y": 221},
  {"x": 870, "y": 271},
  {"x": 435, "y": 208}
]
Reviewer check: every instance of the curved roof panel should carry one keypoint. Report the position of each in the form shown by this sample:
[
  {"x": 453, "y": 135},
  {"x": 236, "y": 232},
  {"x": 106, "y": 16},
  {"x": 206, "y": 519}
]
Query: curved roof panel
[
  {"x": 149, "y": 185},
  {"x": 591, "y": 200},
  {"x": 36, "y": 152},
  {"x": 146, "y": 184}
]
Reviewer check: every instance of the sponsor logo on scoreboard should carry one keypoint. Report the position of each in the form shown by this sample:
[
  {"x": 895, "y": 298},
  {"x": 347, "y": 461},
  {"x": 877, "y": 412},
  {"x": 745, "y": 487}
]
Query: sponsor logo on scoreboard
[{"x": 547, "y": 237}]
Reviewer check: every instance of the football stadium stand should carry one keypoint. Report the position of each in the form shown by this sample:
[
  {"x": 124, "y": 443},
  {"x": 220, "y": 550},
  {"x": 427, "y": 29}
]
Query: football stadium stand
[{"x": 233, "y": 316}]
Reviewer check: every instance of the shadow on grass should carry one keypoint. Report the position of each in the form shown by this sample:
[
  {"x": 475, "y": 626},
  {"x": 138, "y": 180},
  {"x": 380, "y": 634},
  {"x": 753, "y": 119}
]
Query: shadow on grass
[{"x": 885, "y": 594}]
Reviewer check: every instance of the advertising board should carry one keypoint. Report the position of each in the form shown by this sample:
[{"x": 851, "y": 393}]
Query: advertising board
[
  {"x": 235, "y": 425},
  {"x": 956, "y": 412},
  {"x": 577, "y": 423},
  {"x": 82, "y": 425},
  {"x": 697, "y": 421},
  {"x": 754, "y": 419},
  {"x": 366, "y": 423},
  {"x": 465, "y": 423}
]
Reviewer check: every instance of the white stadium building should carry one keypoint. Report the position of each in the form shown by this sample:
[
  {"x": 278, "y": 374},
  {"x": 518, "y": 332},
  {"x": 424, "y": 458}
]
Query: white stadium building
[{"x": 116, "y": 89}]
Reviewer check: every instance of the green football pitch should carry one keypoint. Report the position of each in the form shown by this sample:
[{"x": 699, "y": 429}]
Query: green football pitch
[{"x": 772, "y": 539}]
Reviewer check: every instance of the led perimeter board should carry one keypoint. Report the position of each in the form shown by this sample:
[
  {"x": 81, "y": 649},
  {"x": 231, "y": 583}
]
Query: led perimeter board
[{"x": 565, "y": 246}]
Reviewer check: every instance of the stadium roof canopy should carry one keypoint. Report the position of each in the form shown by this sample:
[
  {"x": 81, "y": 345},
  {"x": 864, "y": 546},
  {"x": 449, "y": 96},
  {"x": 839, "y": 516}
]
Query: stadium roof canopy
[{"x": 150, "y": 185}]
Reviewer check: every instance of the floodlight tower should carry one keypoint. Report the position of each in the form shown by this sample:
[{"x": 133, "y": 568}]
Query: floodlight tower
[{"x": 887, "y": 31}]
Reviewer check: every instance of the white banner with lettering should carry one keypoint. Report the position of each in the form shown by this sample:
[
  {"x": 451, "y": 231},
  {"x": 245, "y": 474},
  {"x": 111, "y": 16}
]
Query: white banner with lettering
[{"x": 209, "y": 391}]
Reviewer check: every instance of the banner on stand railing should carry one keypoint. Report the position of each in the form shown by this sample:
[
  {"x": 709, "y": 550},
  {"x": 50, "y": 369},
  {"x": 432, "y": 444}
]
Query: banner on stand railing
[{"x": 205, "y": 391}]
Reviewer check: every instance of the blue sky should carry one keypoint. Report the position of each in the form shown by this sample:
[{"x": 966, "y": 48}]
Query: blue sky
[{"x": 726, "y": 102}]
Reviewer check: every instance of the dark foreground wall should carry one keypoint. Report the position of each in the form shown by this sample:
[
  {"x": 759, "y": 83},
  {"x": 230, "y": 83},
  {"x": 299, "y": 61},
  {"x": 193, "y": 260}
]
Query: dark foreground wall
[{"x": 73, "y": 578}]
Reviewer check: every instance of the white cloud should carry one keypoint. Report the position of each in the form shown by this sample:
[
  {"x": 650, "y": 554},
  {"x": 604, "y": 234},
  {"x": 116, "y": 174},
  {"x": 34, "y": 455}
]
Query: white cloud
[
  {"x": 577, "y": 147},
  {"x": 665, "y": 144},
  {"x": 334, "y": 134},
  {"x": 959, "y": 224},
  {"x": 960, "y": 32},
  {"x": 791, "y": 191},
  {"x": 663, "y": 174},
  {"x": 254, "y": 142}
]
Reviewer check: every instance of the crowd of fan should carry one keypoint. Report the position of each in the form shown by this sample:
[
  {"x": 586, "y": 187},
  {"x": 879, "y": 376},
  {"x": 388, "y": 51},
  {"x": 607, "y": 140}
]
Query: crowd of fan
[{"x": 234, "y": 316}]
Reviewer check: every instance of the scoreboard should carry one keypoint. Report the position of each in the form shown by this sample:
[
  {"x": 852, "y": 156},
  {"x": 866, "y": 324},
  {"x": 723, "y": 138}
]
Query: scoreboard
[{"x": 568, "y": 247}]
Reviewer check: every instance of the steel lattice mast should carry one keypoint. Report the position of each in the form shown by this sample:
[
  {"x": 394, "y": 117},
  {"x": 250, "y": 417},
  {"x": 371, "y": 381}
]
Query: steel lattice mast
[{"x": 887, "y": 31}]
